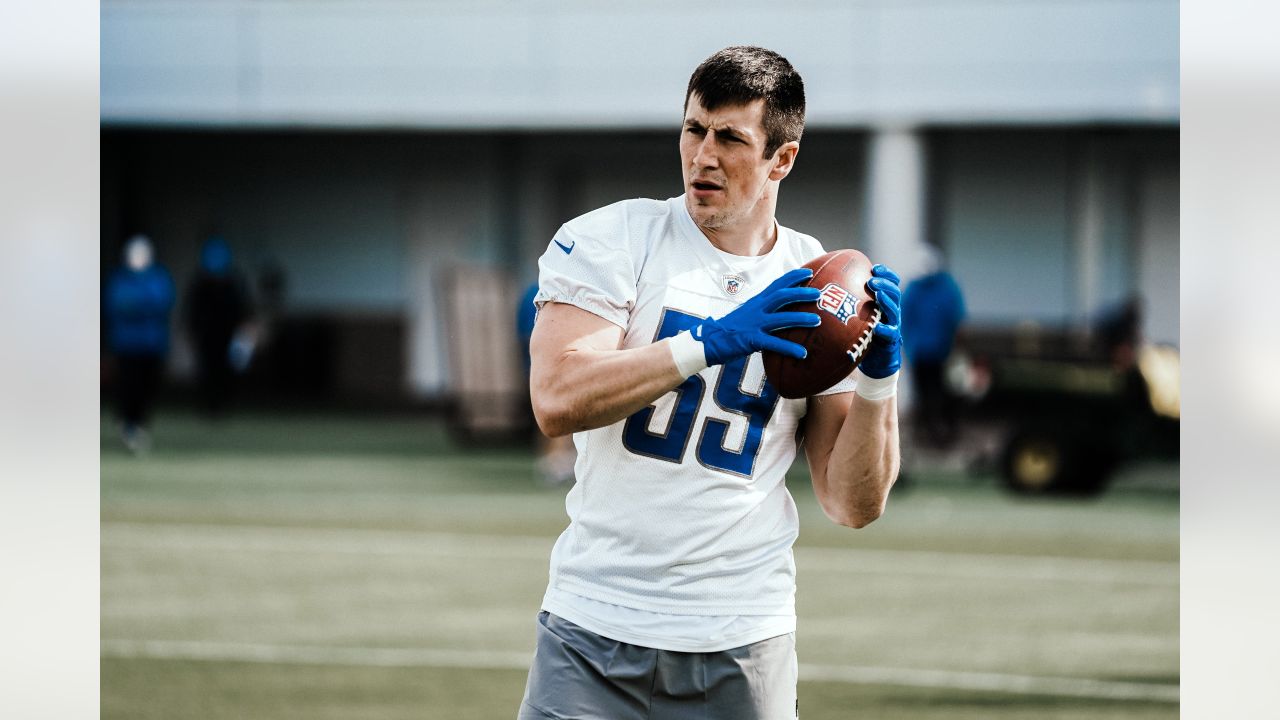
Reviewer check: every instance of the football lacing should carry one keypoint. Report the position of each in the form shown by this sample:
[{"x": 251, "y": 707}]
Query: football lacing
[{"x": 864, "y": 340}]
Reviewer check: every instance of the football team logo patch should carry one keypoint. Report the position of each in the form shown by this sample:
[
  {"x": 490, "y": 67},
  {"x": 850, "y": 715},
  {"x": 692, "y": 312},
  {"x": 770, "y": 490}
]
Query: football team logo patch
[
  {"x": 733, "y": 284},
  {"x": 838, "y": 301}
]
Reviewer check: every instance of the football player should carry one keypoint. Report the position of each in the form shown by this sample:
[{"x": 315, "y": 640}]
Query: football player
[{"x": 672, "y": 591}]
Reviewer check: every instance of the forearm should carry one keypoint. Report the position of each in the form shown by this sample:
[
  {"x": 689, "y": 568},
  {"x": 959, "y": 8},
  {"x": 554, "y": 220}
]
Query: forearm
[
  {"x": 583, "y": 389},
  {"x": 863, "y": 463}
]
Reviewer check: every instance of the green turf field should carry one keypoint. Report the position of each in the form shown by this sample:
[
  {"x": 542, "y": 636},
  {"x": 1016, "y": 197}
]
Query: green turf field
[{"x": 339, "y": 567}]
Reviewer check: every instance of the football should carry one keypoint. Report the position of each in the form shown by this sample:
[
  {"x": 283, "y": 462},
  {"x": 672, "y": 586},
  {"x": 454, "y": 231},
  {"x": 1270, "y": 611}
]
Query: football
[{"x": 848, "y": 316}]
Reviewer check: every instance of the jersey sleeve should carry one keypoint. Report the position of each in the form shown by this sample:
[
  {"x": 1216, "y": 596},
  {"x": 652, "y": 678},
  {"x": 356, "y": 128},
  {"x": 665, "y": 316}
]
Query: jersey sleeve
[{"x": 589, "y": 264}]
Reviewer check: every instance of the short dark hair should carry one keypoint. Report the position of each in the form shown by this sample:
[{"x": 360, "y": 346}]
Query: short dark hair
[{"x": 742, "y": 74}]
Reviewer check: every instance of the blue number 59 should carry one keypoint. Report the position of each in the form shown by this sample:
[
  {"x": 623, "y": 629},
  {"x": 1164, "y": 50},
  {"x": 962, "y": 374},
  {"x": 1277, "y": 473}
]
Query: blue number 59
[{"x": 729, "y": 395}]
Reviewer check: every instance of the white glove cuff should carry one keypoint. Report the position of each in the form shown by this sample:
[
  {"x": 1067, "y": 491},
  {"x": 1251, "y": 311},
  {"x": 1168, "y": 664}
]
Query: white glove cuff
[
  {"x": 688, "y": 353},
  {"x": 875, "y": 388}
]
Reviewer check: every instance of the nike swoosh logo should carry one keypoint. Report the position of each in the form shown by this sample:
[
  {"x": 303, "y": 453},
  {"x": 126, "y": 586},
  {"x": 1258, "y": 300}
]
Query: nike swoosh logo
[{"x": 566, "y": 248}]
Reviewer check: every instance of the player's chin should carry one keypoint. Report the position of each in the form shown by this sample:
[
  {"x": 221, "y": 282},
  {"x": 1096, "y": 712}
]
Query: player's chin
[
  {"x": 704, "y": 201},
  {"x": 709, "y": 217}
]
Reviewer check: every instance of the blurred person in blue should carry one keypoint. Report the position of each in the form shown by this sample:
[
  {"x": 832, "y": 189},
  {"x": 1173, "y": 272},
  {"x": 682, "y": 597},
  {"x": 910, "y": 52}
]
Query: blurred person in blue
[
  {"x": 138, "y": 300},
  {"x": 932, "y": 311},
  {"x": 526, "y": 313},
  {"x": 556, "y": 455},
  {"x": 217, "y": 312}
]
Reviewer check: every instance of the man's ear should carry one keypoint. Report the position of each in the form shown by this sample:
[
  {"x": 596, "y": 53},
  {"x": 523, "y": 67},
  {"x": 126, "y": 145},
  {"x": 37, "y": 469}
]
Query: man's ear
[{"x": 784, "y": 159}]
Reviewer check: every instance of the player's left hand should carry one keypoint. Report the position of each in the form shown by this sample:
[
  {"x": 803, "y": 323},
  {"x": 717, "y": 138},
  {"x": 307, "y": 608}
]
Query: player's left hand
[{"x": 884, "y": 356}]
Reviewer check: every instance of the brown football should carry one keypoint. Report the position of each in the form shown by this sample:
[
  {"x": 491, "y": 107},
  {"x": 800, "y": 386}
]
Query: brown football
[{"x": 848, "y": 315}]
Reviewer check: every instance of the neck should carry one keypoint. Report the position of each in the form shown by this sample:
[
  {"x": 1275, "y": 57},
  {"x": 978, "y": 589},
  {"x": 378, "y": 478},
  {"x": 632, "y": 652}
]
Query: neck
[{"x": 753, "y": 234}]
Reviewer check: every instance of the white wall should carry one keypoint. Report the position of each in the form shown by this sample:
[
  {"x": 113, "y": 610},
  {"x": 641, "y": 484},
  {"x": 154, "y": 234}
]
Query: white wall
[{"x": 578, "y": 63}]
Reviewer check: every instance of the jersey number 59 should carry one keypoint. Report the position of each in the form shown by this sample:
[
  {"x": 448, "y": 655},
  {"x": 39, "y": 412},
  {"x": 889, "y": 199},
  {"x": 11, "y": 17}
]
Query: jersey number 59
[{"x": 729, "y": 395}]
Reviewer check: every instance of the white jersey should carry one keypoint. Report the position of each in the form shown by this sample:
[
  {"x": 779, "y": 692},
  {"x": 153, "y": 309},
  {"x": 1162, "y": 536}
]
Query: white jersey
[{"x": 680, "y": 509}]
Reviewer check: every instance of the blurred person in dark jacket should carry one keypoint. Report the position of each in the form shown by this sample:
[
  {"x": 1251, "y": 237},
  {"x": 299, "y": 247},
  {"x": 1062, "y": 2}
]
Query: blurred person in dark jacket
[
  {"x": 217, "y": 311},
  {"x": 1120, "y": 331},
  {"x": 932, "y": 310},
  {"x": 138, "y": 299}
]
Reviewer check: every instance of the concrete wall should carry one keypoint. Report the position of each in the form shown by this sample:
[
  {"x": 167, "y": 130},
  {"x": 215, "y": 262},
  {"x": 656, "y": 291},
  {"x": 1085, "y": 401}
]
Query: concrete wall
[
  {"x": 578, "y": 63},
  {"x": 1005, "y": 225},
  {"x": 1157, "y": 257},
  {"x": 1059, "y": 226}
]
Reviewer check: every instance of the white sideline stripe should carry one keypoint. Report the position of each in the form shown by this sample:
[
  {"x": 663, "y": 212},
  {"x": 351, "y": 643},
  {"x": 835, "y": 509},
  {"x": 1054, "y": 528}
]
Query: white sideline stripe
[
  {"x": 989, "y": 566},
  {"x": 315, "y": 655},
  {"x": 498, "y": 660},
  {"x": 347, "y": 541},
  {"x": 246, "y": 538},
  {"x": 991, "y": 682}
]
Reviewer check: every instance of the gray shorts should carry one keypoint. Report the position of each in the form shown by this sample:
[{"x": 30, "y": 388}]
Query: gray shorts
[{"x": 579, "y": 675}]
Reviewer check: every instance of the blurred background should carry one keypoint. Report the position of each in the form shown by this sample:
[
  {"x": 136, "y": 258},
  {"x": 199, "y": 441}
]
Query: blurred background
[{"x": 330, "y": 502}]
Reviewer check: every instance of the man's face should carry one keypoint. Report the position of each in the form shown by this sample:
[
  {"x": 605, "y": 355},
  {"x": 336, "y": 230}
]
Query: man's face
[{"x": 726, "y": 175}]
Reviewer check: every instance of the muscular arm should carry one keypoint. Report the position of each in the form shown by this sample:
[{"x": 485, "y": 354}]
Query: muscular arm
[
  {"x": 852, "y": 447},
  {"x": 851, "y": 439},
  {"x": 580, "y": 379}
]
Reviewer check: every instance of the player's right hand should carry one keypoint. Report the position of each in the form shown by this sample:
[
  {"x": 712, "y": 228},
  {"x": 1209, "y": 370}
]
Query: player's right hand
[{"x": 747, "y": 328}]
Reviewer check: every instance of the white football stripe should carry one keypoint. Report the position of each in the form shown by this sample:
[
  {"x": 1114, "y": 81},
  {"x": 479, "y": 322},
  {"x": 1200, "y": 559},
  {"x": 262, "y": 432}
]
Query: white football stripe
[{"x": 498, "y": 660}]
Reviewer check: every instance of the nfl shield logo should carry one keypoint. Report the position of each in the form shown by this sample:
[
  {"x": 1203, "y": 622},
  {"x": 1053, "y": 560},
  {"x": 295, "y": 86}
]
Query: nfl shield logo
[
  {"x": 838, "y": 301},
  {"x": 733, "y": 284}
]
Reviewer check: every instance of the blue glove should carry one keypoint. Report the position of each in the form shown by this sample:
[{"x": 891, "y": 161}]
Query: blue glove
[
  {"x": 884, "y": 356},
  {"x": 746, "y": 329}
]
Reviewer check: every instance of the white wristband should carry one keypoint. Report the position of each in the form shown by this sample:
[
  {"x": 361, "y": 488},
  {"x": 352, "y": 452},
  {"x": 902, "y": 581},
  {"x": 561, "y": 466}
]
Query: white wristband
[
  {"x": 688, "y": 353},
  {"x": 875, "y": 388}
]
